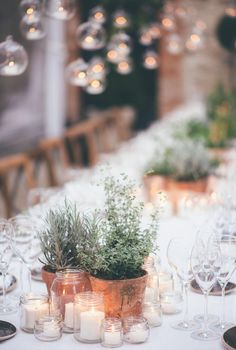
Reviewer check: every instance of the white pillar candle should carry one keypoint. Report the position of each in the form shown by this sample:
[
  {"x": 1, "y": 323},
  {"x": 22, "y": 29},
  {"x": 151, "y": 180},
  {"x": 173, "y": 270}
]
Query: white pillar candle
[
  {"x": 137, "y": 334},
  {"x": 69, "y": 315},
  {"x": 33, "y": 312},
  {"x": 51, "y": 329},
  {"x": 90, "y": 324}
]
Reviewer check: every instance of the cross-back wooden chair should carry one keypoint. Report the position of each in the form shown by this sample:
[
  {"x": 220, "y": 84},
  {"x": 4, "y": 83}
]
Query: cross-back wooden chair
[{"x": 16, "y": 165}]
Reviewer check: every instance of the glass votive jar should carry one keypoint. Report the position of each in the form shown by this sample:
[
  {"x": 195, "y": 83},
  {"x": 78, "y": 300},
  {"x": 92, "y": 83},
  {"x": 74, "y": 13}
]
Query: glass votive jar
[
  {"x": 151, "y": 291},
  {"x": 136, "y": 329},
  {"x": 171, "y": 302},
  {"x": 48, "y": 328},
  {"x": 65, "y": 286},
  {"x": 112, "y": 332},
  {"x": 165, "y": 281},
  {"x": 153, "y": 313},
  {"x": 32, "y": 308},
  {"x": 88, "y": 316}
]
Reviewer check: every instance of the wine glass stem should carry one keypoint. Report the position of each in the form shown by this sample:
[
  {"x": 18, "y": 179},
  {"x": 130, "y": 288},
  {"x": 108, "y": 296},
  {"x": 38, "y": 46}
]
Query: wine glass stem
[
  {"x": 186, "y": 318},
  {"x": 29, "y": 279},
  {"x": 3, "y": 289},
  {"x": 223, "y": 305},
  {"x": 205, "y": 311}
]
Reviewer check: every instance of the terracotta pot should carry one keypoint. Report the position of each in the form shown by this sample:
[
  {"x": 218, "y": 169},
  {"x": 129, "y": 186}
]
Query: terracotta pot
[
  {"x": 153, "y": 184},
  {"x": 48, "y": 278},
  {"x": 122, "y": 298},
  {"x": 194, "y": 186}
]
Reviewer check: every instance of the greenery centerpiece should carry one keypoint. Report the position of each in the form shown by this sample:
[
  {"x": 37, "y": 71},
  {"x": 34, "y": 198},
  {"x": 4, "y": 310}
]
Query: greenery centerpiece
[
  {"x": 64, "y": 235},
  {"x": 118, "y": 246}
]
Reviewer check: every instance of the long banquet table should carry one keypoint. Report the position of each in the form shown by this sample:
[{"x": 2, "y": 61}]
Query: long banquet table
[{"x": 131, "y": 159}]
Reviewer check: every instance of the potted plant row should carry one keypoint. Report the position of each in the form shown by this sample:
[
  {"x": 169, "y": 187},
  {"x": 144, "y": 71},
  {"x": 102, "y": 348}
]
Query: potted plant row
[{"x": 109, "y": 244}]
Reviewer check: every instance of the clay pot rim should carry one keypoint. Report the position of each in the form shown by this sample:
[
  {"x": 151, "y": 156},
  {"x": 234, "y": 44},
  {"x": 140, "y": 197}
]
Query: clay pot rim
[
  {"x": 203, "y": 178},
  {"x": 122, "y": 280}
]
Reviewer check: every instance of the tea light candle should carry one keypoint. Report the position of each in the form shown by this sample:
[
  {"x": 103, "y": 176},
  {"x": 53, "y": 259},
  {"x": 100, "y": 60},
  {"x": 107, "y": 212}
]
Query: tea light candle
[
  {"x": 51, "y": 329},
  {"x": 90, "y": 324},
  {"x": 111, "y": 332},
  {"x": 152, "y": 312},
  {"x": 48, "y": 328},
  {"x": 171, "y": 302},
  {"x": 137, "y": 334},
  {"x": 31, "y": 311},
  {"x": 69, "y": 315},
  {"x": 165, "y": 282}
]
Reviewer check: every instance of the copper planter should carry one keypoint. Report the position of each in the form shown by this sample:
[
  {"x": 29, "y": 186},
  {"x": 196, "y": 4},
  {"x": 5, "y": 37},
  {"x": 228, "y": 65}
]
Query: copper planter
[
  {"x": 122, "y": 298},
  {"x": 154, "y": 184},
  {"x": 48, "y": 278}
]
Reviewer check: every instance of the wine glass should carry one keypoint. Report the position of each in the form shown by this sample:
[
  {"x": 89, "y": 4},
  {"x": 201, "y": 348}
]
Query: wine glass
[
  {"x": 6, "y": 253},
  {"x": 204, "y": 262},
  {"x": 225, "y": 268},
  {"x": 26, "y": 242},
  {"x": 179, "y": 255}
]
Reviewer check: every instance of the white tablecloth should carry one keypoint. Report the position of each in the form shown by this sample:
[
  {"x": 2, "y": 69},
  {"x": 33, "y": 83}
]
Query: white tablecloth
[{"x": 132, "y": 158}]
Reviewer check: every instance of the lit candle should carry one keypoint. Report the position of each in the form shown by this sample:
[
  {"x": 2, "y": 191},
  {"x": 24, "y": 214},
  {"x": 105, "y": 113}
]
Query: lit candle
[
  {"x": 152, "y": 315},
  {"x": 33, "y": 312},
  {"x": 112, "y": 337},
  {"x": 10, "y": 69},
  {"x": 69, "y": 315},
  {"x": 171, "y": 302},
  {"x": 90, "y": 325}
]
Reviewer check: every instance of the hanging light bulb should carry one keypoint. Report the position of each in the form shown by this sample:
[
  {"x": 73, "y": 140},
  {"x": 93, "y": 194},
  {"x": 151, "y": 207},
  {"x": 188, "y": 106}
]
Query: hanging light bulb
[
  {"x": 76, "y": 73},
  {"x": 29, "y": 7},
  {"x": 32, "y": 27},
  {"x": 145, "y": 37},
  {"x": 155, "y": 30},
  {"x": 97, "y": 14},
  {"x": 194, "y": 42},
  {"x": 60, "y": 9},
  {"x": 91, "y": 36},
  {"x": 200, "y": 27},
  {"x": 122, "y": 42},
  {"x": 181, "y": 12},
  {"x": 231, "y": 10},
  {"x": 96, "y": 68},
  {"x": 174, "y": 44},
  {"x": 168, "y": 23},
  {"x": 121, "y": 19},
  {"x": 95, "y": 86},
  {"x": 13, "y": 58},
  {"x": 150, "y": 60},
  {"x": 124, "y": 66}
]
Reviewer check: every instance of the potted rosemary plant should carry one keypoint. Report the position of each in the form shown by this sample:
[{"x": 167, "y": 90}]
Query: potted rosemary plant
[
  {"x": 64, "y": 235},
  {"x": 119, "y": 246}
]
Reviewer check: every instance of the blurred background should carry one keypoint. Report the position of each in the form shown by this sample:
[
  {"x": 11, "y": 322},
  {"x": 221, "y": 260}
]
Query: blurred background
[{"x": 67, "y": 62}]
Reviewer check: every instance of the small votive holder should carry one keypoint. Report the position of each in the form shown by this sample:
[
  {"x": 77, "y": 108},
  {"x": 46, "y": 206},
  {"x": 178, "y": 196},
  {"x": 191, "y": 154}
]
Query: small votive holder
[
  {"x": 153, "y": 314},
  {"x": 48, "y": 328},
  {"x": 165, "y": 281},
  {"x": 171, "y": 302},
  {"x": 112, "y": 332},
  {"x": 136, "y": 329},
  {"x": 32, "y": 308}
]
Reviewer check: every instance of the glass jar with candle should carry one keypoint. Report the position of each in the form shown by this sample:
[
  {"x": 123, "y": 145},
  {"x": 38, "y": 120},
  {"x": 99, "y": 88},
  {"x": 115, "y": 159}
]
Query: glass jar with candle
[
  {"x": 165, "y": 281},
  {"x": 151, "y": 291},
  {"x": 88, "y": 317},
  {"x": 32, "y": 308},
  {"x": 65, "y": 286},
  {"x": 153, "y": 313},
  {"x": 171, "y": 302},
  {"x": 48, "y": 328},
  {"x": 112, "y": 332},
  {"x": 136, "y": 330}
]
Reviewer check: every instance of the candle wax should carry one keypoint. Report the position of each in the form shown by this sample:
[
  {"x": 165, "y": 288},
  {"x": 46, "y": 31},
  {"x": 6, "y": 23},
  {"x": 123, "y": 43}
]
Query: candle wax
[
  {"x": 137, "y": 334},
  {"x": 51, "y": 329},
  {"x": 90, "y": 325},
  {"x": 112, "y": 338},
  {"x": 69, "y": 315}
]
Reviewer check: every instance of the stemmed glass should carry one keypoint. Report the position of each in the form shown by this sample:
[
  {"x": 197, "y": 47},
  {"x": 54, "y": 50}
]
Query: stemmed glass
[
  {"x": 204, "y": 262},
  {"x": 179, "y": 255},
  {"x": 26, "y": 243},
  {"x": 6, "y": 253},
  {"x": 225, "y": 268}
]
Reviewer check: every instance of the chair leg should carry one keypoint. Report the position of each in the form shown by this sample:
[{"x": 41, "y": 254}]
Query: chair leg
[
  {"x": 92, "y": 149},
  {"x": 6, "y": 196}
]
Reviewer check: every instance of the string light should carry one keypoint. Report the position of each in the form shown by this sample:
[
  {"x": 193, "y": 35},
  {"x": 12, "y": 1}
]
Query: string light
[
  {"x": 13, "y": 58},
  {"x": 91, "y": 36}
]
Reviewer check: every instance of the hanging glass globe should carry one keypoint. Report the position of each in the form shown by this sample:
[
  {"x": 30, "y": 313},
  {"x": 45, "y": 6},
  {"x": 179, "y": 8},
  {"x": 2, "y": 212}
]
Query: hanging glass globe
[
  {"x": 91, "y": 36},
  {"x": 76, "y": 73},
  {"x": 150, "y": 60},
  {"x": 113, "y": 55},
  {"x": 168, "y": 23},
  {"x": 181, "y": 12},
  {"x": 121, "y": 19},
  {"x": 145, "y": 37},
  {"x": 200, "y": 27},
  {"x": 154, "y": 30},
  {"x": 194, "y": 42},
  {"x": 96, "y": 68},
  {"x": 124, "y": 66},
  {"x": 97, "y": 14},
  {"x": 13, "y": 58},
  {"x": 29, "y": 7},
  {"x": 95, "y": 86},
  {"x": 32, "y": 27},
  {"x": 60, "y": 9},
  {"x": 231, "y": 10},
  {"x": 122, "y": 42},
  {"x": 174, "y": 44}
]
